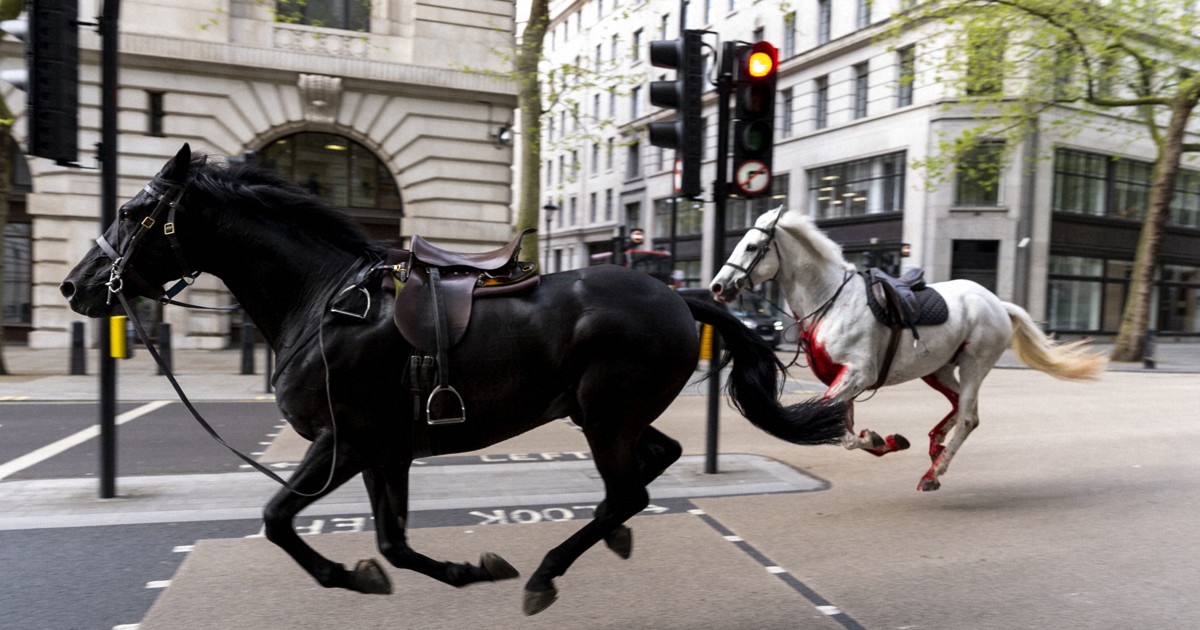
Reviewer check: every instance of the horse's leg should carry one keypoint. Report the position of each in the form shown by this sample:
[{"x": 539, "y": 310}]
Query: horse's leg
[
  {"x": 387, "y": 487},
  {"x": 848, "y": 385},
  {"x": 655, "y": 453},
  {"x": 971, "y": 371},
  {"x": 946, "y": 383},
  {"x": 318, "y": 474},
  {"x": 625, "y": 496}
]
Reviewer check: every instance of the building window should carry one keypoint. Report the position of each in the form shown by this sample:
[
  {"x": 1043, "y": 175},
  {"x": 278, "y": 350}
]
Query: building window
[
  {"x": 593, "y": 207},
  {"x": 1118, "y": 188},
  {"x": 906, "y": 63},
  {"x": 635, "y": 102},
  {"x": 985, "y": 63},
  {"x": 349, "y": 15},
  {"x": 786, "y": 120},
  {"x": 789, "y": 34},
  {"x": 633, "y": 161},
  {"x": 636, "y": 52},
  {"x": 342, "y": 172},
  {"x": 861, "y": 187},
  {"x": 689, "y": 221},
  {"x": 741, "y": 214},
  {"x": 862, "y": 75},
  {"x": 977, "y": 175},
  {"x": 864, "y": 13},
  {"x": 608, "y": 155},
  {"x": 18, "y": 268},
  {"x": 154, "y": 114},
  {"x": 824, "y": 21},
  {"x": 821, "y": 96},
  {"x": 608, "y": 205}
]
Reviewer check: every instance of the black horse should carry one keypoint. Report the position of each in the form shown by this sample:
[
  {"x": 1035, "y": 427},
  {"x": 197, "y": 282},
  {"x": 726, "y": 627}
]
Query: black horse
[{"x": 608, "y": 347}]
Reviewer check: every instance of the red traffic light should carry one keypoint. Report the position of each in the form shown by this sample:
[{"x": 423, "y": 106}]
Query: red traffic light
[{"x": 761, "y": 62}]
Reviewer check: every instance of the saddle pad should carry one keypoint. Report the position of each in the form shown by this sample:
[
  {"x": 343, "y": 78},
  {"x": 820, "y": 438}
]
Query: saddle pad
[{"x": 933, "y": 308}]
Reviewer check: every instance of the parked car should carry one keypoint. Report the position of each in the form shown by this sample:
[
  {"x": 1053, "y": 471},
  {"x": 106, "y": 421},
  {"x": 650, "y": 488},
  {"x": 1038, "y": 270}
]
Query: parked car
[{"x": 756, "y": 313}]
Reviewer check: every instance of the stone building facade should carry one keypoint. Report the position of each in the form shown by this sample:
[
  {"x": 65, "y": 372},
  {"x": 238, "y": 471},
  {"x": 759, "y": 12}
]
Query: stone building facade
[{"x": 390, "y": 110}]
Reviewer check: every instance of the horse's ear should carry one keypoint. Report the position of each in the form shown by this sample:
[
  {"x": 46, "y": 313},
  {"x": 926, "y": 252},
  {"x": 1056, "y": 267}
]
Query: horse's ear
[{"x": 176, "y": 169}]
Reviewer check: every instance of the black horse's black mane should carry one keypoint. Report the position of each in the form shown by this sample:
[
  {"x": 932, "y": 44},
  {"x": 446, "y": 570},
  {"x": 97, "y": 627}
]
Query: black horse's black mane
[{"x": 278, "y": 199}]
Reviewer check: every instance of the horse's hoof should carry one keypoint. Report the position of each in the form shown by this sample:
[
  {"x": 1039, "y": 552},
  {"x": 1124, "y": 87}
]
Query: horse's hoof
[
  {"x": 620, "y": 541},
  {"x": 537, "y": 601},
  {"x": 928, "y": 484},
  {"x": 497, "y": 568},
  {"x": 901, "y": 443},
  {"x": 369, "y": 578}
]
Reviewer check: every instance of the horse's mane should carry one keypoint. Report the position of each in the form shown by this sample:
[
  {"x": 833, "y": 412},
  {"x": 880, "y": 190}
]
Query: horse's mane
[
  {"x": 250, "y": 187},
  {"x": 808, "y": 232}
]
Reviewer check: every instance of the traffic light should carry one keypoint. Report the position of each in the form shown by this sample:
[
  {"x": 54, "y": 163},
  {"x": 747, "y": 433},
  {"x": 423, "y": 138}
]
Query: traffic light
[
  {"x": 684, "y": 134},
  {"x": 754, "y": 114},
  {"x": 50, "y": 78}
]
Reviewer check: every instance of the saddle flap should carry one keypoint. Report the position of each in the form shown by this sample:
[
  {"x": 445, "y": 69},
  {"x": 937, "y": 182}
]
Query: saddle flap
[{"x": 415, "y": 308}]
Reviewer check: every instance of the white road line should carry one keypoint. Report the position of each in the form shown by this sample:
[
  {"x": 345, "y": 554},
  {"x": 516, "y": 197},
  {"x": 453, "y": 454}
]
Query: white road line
[
  {"x": 158, "y": 584},
  {"x": 50, "y": 450}
]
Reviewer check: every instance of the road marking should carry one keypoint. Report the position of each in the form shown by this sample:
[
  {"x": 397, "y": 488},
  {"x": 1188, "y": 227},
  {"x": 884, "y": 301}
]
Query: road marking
[
  {"x": 183, "y": 548},
  {"x": 13, "y": 398},
  {"x": 823, "y": 605},
  {"x": 50, "y": 450},
  {"x": 128, "y": 626},
  {"x": 158, "y": 584}
]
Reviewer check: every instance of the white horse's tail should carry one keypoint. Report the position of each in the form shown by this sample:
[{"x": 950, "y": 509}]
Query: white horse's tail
[{"x": 1068, "y": 360}]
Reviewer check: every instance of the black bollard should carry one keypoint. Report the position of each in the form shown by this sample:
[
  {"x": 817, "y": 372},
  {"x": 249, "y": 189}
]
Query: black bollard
[
  {"x": 247, "y": 348},
  {"x": 164, "y": 347},
  {"x": 1148, "y": 350},
  {"x": 78, "y": 354}
]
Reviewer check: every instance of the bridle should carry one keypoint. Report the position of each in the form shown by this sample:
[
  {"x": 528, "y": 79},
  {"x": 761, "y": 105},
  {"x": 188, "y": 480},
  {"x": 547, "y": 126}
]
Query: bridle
[
  {"x": 169, "y": 202},
  {"x": 762, "y": 251}
]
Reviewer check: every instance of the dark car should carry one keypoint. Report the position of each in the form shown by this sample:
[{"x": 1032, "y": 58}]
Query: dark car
[{"x": 756, "y": 313}]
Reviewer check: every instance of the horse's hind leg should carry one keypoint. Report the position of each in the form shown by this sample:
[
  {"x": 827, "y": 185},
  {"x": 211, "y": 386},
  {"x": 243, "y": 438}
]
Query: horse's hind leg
[
  {"x": 656, "y": 451},
  {"x": 945, "y": 383},
  {"x": 625, "y": 496},
  {"x": 962, "y": 420},
  {"x": 317, "y": 475},
  {"x": 387, "y": 487}
]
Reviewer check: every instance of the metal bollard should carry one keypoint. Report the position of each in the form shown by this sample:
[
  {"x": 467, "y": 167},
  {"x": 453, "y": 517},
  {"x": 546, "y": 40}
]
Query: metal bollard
[
  {"x": 78, "y": 354},
  {"x": 269, "y": 360},
  {"x": 1148, "y": 348},
  {"x": 247, "y": 348},
  {"x": 164, "y": 347}
]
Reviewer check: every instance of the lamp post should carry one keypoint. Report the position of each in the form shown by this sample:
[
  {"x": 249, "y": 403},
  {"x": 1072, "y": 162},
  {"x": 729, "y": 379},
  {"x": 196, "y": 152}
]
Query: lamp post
[{"x": 548, "y": 210}]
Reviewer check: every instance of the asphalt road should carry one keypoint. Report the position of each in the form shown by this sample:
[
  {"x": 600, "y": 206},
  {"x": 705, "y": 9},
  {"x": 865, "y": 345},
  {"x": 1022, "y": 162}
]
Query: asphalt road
[{"x": 1071, "y": 507}]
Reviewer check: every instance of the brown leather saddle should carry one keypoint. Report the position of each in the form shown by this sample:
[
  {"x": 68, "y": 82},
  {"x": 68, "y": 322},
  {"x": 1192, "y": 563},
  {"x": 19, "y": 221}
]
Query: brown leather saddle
[{"x": 435, "y": 290}]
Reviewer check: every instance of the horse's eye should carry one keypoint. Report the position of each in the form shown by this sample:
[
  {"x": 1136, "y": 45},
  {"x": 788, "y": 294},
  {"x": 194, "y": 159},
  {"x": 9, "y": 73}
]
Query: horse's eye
[{"x": 750, "y": 249}]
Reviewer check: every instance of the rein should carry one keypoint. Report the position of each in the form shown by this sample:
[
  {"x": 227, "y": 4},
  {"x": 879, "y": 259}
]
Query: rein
[{"x": 170, "y": 201}]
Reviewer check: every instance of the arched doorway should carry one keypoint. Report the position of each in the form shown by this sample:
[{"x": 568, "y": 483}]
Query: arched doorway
[{"x": 344, "y": 174}]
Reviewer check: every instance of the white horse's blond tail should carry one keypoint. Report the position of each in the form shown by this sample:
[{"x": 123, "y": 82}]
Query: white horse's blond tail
[{"x": 1068, "y": 360}]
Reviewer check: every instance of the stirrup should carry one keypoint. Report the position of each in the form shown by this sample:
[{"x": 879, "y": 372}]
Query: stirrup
[{"x": 440, "y": 389}]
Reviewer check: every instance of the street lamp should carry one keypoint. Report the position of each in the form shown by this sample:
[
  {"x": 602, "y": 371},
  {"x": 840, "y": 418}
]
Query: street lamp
[{"x": 548, "y": 210}]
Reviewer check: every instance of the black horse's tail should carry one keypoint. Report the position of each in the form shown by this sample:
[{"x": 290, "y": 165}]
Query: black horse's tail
[{"x": 754, "y": 383}]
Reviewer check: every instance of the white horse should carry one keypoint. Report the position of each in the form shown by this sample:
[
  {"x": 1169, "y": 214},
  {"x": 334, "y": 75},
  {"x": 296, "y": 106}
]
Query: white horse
[{"x": 848, "y": 348}]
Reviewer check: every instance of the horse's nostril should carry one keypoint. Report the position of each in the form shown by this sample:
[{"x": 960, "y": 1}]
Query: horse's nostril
[
  {"x": 67, "y": 288},
  {"x": 716, "y": 288}
]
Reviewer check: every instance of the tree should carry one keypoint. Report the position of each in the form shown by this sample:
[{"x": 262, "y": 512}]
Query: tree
[
  {"x": 9, "y": 9},
  {"x": 544, "y": 87},
  {"x": 1137, "y": 59}
]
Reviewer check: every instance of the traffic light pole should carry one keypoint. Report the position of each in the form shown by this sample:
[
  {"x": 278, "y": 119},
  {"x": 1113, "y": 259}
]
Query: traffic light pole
[
  {"x": 108, "y": 212},
  {"x": 720, "y": 197}
]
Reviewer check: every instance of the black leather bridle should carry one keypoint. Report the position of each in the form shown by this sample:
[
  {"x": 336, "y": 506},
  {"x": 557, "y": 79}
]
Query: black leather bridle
[
  {"x": 763, "y": 248},
  {"x": 168, "y": 202}
]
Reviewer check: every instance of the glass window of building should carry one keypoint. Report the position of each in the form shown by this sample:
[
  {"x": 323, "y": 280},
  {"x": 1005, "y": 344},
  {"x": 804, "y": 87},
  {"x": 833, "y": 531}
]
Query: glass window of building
[
  {"x": 859, "y": 187},
  {"x": 862, "y": 83},
  {"x": 821, "y": 102},
  {"x": 343, "y": 173},
  {"x": 350, "y": 15},
  {"x": 906, "y": 62},
  {"x": 977, "y": 175},
  {"x": 985, "y": 62},
  {"x": 740, "y": 214},
  {"x": 824, "y": 21}
]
